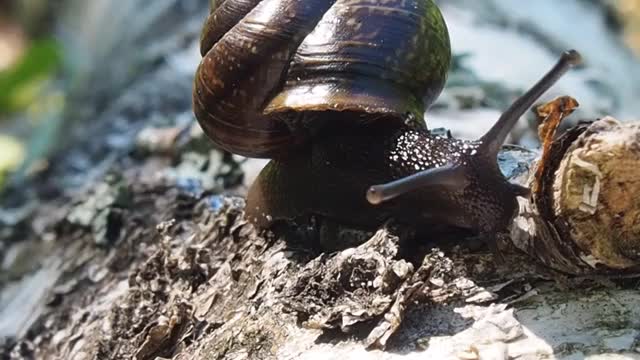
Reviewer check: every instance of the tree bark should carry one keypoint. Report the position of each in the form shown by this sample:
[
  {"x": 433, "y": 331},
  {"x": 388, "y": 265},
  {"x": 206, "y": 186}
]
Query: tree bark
[{"x": 133, "y": 245}]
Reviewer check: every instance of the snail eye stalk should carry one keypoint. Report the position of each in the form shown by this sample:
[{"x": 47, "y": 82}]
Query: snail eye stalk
[
  {"x": 495, "y": 137},
  {"x": 452, "y": 175}
]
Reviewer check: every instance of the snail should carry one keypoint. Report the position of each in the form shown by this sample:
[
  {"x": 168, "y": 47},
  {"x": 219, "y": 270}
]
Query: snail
[{"x": 334, "y": 92}]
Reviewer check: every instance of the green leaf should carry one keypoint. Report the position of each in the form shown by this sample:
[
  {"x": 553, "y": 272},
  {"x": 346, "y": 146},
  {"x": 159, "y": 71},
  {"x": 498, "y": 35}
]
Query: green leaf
[{"x": 20, "y": 84}]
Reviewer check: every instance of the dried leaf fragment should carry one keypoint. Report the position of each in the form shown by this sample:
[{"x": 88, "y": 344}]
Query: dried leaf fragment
[{"x": 550, "y": 115}]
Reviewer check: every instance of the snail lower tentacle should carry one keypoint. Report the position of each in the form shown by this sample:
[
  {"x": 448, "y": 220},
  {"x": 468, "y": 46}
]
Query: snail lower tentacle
[
  {"x": 453, "y": 175},
  {"x": 450, "y": 176}
]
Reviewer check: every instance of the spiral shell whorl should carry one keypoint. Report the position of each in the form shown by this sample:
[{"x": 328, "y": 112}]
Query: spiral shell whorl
[{"x": 265, "y": 59}]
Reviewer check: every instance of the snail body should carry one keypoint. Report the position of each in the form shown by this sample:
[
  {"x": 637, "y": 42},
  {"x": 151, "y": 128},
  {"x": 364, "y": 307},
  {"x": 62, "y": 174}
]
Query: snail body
[{"x": 334, "y": 93}]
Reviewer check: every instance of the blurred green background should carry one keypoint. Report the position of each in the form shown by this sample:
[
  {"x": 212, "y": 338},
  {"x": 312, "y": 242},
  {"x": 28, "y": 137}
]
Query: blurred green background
[
  {"x": 56, "y": 58},
  {"x": 50, "y": 51}
]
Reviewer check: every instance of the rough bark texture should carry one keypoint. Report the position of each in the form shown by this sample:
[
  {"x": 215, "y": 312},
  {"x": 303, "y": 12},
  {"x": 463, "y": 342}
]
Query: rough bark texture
[
  {"x": 582, "y": 215},
  {"x": 126, "y": 247}
]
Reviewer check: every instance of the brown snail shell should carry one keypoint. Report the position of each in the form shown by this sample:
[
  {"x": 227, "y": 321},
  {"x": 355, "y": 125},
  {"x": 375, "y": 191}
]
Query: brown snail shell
[{"x": 267, "y": 63}]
